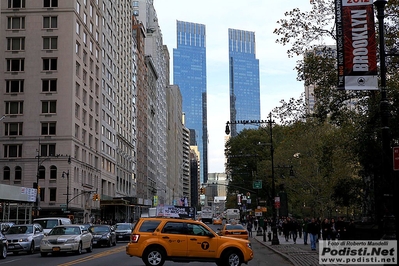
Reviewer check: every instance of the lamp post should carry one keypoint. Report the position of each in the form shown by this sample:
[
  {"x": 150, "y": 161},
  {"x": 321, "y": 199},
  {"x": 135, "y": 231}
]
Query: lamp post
[
  {"x": 67, "y": 194},
  {"x": 275, "y": 240},
  {"x": 385, "y": 185}
]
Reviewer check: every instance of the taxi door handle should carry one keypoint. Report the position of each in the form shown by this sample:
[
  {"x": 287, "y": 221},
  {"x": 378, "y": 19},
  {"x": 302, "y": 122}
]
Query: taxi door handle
[
  {"x": 165, "y": 237},
  {"x": 193, "y": 239}
]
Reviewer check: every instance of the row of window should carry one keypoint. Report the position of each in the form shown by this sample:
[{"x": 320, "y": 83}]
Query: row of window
[
  {"x": 22, "y": 3},
  {"x": 17, "y": 85},
  {"x": 15, "y": 129},
  {"x": 19, "y": 23},
  {"x": 15, "y": 150},
  {"x": 17, "y": 107},
  {"x": 18, "y": 64},
  {"x": 18, "y": 43},
  {"x": 18, "y": 172}
]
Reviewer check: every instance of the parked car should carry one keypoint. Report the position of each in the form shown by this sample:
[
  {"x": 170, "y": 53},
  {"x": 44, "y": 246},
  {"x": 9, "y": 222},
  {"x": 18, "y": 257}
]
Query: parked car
[
  {"x": 4, "y": 226},
  {"x": 234, "y": 230},
  {"x": 3, "y": 246},
  {"x": 67, "y": 238},
  {"x": 103, "y": 235},
  {"x": 24, "y": 237},
  {"x": 123, "y": 231}
]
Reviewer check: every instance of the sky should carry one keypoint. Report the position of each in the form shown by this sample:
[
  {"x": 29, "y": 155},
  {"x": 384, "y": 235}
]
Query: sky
[{"x": 277, "y": 75}]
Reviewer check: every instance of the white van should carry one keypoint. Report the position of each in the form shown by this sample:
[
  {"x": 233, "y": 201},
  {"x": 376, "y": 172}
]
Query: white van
[{"x": 50, "y": 222}]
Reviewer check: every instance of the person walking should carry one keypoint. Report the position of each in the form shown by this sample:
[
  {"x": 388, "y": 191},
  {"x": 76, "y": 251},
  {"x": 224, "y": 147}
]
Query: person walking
[
  {"x": 305, "y": 231},
  {"x": 249, "y": 228},
  {"x": 294, "y": 230},
  {"x": 326, "y": 229},
  {"x": 313, "y": 230}
]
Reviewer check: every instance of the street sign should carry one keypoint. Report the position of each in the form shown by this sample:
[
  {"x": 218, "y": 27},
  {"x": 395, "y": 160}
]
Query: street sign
[
  {"x": 62, "y": 205},
  {"x": 257, "y": 184}
]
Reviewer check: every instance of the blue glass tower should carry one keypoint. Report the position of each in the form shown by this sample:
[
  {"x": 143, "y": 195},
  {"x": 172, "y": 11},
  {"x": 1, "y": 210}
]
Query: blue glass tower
[
  {"x": 189, "y": 73},
  {"x": 244, "y": 79}
]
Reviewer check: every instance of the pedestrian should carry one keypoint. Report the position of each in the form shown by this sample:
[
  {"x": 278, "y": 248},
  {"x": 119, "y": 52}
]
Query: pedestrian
[
  {"x": 326, "y": 229},
  {"x": 313, "y": 230},
  {"x": 333, "y": 229},
  {"x": 262, "y": 223},
  {"x": 305, "y": 231},
  {"x": 249, "y": 228},
  {"x": 256, "y": 224},
  {"x": 294, "y": 230},
  {"x": 286, "y": 229},
  {"x": 341, "y": 228}
]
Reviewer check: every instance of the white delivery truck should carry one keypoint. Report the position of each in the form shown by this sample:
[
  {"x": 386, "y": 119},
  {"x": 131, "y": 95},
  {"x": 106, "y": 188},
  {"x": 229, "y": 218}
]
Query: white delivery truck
[{"x": 206, "y": 214}]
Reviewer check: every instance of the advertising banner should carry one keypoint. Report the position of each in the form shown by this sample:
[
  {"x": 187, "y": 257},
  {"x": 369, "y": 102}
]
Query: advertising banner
[{"x": 356, "y": 45}]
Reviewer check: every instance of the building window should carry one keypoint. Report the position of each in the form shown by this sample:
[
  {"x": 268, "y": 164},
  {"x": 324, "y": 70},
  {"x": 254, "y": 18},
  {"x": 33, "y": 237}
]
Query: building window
[
  {"x": 15, "y": 65},
  {"x": 42, "y": 172},
  {"x": 77, "y": 7},
  {"x": 48, "y": 128},
  {"x": 77, "y": 69},
  {"x": 53, "y": 194},
  {"x": 50, "y": 3},
  {"x": 13, "y": 151},
  {"x": 16, "y": 23},
  {"x": 49, "y": 22},
  {"x": 49, "y": 85},
  {"x": 16, "y": 44},
  {"x": 18, "y": 173},
  {"x": 6, "y": 173},
  {"x": 50, "y": 43},
  {"x": 15, "y": 86},
  {"x": 16, "y": 3},
  {"x": 14, "y": 108},
  {"x": 47, "y": 150},
  {"x": 49, "y": 107},
  {"x": 13, "y": 129},
  {"x": 42, "y": 193},
  {"x": 49, "y": 64},
  {"x": 53, "y": 172}
]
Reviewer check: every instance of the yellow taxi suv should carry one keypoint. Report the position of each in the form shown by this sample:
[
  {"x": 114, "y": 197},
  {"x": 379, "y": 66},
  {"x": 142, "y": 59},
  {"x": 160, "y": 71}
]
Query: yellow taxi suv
[
  {"x": 156, "y": 240},
  {"x": 234, "y": 230}
]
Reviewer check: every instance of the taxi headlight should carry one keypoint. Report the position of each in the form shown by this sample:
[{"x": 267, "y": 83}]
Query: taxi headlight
[{"x": 249, "y": 245}]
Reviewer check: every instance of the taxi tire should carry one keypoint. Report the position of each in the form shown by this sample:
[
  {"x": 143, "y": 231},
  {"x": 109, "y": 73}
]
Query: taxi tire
[
  {"x": 3, "y": 253},
  {"x": 231, "y": 258},
  {"x": 154, "y": 256}
]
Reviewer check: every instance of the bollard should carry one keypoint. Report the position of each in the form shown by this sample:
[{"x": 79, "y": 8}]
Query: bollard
[{"x": 264, "y": 236}]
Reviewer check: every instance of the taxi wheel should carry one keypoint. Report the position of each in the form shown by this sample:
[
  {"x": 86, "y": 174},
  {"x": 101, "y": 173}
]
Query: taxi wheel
[
  {"x": 154, "y": 257},
  {"x": 3, "y": 253},
  {"x": 232, "y": 258}
]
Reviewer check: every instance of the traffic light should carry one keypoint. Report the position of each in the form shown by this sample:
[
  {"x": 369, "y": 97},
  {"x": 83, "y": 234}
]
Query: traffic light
[
  {"x": 95, "y": 197},
  {"x": 38, "y": 189}
]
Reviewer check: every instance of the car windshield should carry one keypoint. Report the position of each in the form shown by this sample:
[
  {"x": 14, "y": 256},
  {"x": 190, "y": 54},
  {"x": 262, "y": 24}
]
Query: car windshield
[
  {"x": 123, "y": 227},
  {"x": 234, "y": 227},
  {"x": 20, "y": 230},
  {"x": 99, "y": 229},
  {"x": 65, "y": 231}
]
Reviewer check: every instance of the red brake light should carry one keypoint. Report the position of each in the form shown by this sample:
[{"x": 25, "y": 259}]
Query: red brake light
[
  {"x": 226, "y": 232},
  {"x": 134, "y": 238}
]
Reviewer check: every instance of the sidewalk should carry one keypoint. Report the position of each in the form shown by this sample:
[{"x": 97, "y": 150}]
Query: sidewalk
[{"x": 299, "y": 254}]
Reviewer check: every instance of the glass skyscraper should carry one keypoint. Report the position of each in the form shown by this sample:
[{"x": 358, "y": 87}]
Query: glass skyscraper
[
  {"x": 244, "y": 79},
  {"x": 189, "y": 73}
]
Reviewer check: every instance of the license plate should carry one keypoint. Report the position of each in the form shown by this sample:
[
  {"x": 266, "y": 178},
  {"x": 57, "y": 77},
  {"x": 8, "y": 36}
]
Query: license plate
[
  {"x": 236, "y": 233},
  {"x": 120, "y": 236},
  {"x": 56, "y": 249},
  {"x": 94, "y": 242},
  {"x": 10, "y": 247}
]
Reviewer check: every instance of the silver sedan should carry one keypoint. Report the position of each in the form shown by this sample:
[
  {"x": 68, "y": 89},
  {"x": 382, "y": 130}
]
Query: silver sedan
[
  {"x": 24, "y": 237},
  {"x": 67, "y": 238}
]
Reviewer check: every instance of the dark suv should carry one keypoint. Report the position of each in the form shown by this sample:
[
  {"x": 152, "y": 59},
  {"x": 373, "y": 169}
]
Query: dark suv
[{"x": 123, "y": 231}]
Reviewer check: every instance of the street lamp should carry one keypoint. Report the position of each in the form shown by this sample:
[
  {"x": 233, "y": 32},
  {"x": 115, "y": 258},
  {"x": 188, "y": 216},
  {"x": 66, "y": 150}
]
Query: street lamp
[
  {"x": 67, "y": 194},
  {"x": 275, "y": 240}
]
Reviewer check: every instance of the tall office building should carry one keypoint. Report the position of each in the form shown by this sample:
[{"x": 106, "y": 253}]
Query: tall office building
[
  {"x": 244, "y": 79},
  {"x": 68, "y": 76},
  {"x": 189, "y": 73}
]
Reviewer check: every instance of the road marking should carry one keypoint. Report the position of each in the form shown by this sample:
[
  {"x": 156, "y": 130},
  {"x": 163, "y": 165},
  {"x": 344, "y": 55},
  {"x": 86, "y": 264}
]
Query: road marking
[{"x": 95, "y": 256}]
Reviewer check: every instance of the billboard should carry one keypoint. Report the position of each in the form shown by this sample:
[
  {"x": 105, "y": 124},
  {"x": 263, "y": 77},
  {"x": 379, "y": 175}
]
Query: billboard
[{"x": 356, "y": 45}]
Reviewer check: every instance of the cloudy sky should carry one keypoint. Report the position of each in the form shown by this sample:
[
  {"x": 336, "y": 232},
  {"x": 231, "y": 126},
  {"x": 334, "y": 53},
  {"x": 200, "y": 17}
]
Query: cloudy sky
[{"x": 277, "y": 77}]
